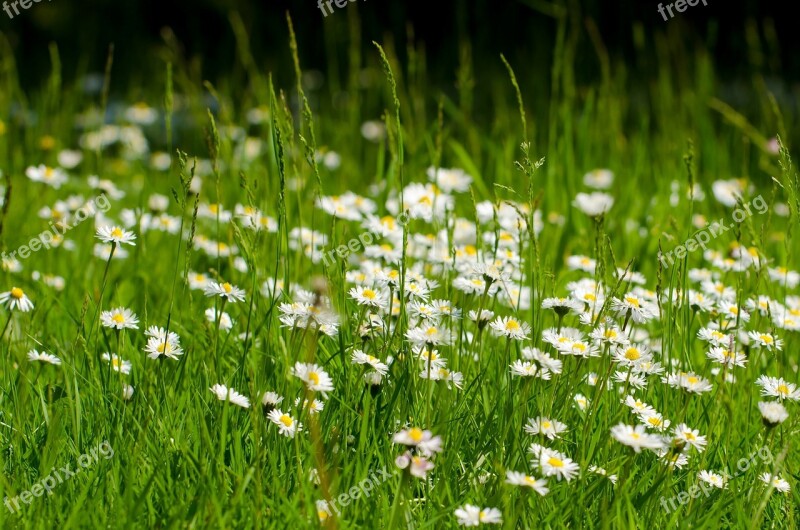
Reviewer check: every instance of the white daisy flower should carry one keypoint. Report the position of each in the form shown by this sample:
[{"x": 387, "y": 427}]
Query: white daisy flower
[
  {"x": 775, "y": 481},
  {"x": 714, "y": 479},
  {"x": 118, "y": 364},
  {"x": 16, "y": 299},
  {"x": 119, "y": 318},
  {"x": 287, "y": 425},
  {"x": 511, "y": 328},
  {"x": 772, "y": 412},
  {"x": 426, "y": 443},
  {"x": 34, "y": 356},
  {"x": 516, "y": 478},
  {"x": 778, "y": 387},
  {"x": 554, "y": 463},
  {"x": 359, "y": 357},
  {"x": 225, "y": 290},
  {"x": 115, "y": 235},
  {"x": 224, "y": 393},
  {"x": 315, "y": 378},
  {"x": 549, "y": 428},
  {"x": 636, "y": 437},
  {"x": 469, "y": 515}
]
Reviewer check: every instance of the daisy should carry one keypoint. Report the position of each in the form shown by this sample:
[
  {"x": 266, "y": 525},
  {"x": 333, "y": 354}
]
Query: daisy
[
  {"x": 593, "y": 204},
  {"x": 777, "y": 387},
  {"x": 655, "y": 421},
  {"x": 270, "y": 400},
  {"x": 554, "y": 463},
  {"x": 630, "y": 378},
  {"x": 772, "y": 412},
  {"x": 359, "y": 357},
  {"x": 602, "y": 472},
  {"x": 535, "y": 354},
  {"x": 426, "y": 443},
  {"x": 636, "y": 437},
  {"x": 609, "y": 334},
  {"x": 686, "y": 435},
  {"x": 599, "y": 179},
  {"x": 714, "y": 479},
  {"x": 119, "y": 318},
  {"x": 765, "y": 340},
  {"x": 723, "y": 356},
  {"x": 168, "y": 346},
  {"x": 34, "y": 356},
  {"x": 511, "y": 328},
  {"x": 117, "y": 363},
  {"x": 775, "y": 481},
  {"x": 516, "y": 478},
  {"x": 639, "y": 309},
  {"x": 225, "y": 290},
  {"x": 550, "y": 428},
  {"x": 54, "y": 177},
  {"x": 562, "y": 306},
  {"x": 224, "y": 393},
  {"x": 714, "y": 336},
  {"x": 225, "y": 322},
  {"x": 443, "y": 374},
  {"x": 16, "y": 299},
  {"x": 427, "y": 334},
  {"x": 690, "y": 382},
  {"x": 469, "y": 515},
  {"x": 417, "y": 465},
  {"x": 287, "y": 425},
  {"x": 529, "y": 369},
  {"x": 369, "y": 297},
  {"x": 315, "y": 378},
  {"x": 115, "y": 235},
  {"x": 639, "y": 407},
  {"x": 632, "y": 355}
]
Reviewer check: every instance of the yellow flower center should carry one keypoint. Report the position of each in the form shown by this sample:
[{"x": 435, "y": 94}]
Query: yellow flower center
[
  {"x": 632, "y": 301},
  {"x": 369, "y": 293},
  {"x": 632, "y": 354},
  {"x": 512, "y": 325},
  {"x": 116, "y": 232},
  {"x": 783, "y": 390},
  {"x": 227, "y": 287},
  {"x": 546, "y": 424},
  {"x": 415, "y": 434},
  {"x": 766, "y": 338},
  {"x": 692, "y": 380},
  {"x": 118, "y": 318},
  {"x": 286, "y": 420},
  {"x": 17, "y": 293},
  {"x": 313, "y": 377},
  {"x": 555, "y": 462}
]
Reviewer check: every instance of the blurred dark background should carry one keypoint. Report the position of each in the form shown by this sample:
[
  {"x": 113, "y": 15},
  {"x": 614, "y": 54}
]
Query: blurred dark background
[{"x": 523, "y": 30}]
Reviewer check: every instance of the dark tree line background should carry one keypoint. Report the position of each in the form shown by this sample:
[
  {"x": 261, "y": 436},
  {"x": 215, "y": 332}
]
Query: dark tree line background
[{"x": 83, "y": 30}]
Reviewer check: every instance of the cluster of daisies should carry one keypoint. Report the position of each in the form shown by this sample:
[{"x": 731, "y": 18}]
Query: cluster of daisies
[{"x": 414, "y": 269}]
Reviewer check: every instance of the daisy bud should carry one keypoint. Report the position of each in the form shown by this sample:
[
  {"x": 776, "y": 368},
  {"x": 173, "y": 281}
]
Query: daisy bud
[{"x": 403, "y": 460}]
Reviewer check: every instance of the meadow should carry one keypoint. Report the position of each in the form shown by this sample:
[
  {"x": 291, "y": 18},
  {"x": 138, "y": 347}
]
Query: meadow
[{"x": 355, "y": 300}]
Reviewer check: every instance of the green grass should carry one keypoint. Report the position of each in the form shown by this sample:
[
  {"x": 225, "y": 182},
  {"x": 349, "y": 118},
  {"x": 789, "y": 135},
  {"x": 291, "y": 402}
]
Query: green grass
[{"x": 183, "y": 459}]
